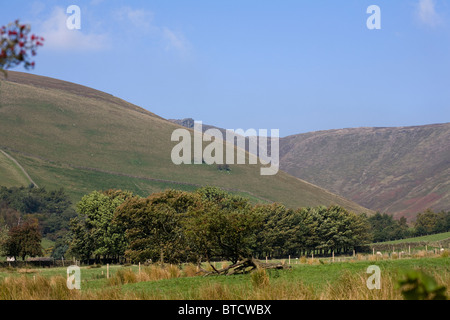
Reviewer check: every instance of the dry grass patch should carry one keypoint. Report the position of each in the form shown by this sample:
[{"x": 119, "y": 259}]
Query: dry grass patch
[{"x": 36, "y": 288}]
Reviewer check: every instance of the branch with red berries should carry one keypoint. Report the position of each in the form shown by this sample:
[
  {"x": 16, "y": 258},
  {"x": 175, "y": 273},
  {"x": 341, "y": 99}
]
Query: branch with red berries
[{"x": 17, "y": 46}]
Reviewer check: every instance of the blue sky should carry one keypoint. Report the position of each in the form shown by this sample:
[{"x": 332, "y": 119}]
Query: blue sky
[{"x": 297, "y": 66}]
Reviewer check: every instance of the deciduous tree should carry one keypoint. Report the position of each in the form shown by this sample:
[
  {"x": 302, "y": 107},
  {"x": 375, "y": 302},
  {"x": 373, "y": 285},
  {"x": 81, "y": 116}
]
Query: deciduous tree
[
  {"x": 94, "y": 230},
  {"x": 154, "y": 226},
  {"x": 24, "y": 240}
]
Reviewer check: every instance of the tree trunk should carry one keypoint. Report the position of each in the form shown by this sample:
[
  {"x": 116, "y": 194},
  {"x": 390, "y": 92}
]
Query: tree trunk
[{"x": 244, "y": 266}]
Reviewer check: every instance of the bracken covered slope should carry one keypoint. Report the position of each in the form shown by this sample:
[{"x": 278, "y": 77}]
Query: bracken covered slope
[{"x": 401, "y": 171}]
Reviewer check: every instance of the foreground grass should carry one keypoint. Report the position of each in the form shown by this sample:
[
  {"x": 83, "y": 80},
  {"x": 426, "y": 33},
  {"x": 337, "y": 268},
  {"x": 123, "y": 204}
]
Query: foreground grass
[
  {"x": 318, "y": 281},
  {"x": 331, "y": 281}
]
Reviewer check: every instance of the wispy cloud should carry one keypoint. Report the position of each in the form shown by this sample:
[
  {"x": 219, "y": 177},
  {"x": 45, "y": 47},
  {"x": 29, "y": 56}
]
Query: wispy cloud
[
  {"x": 175, "y": 41},
  {"x": 142, "y": 22},
  {"x": 426, "y": 13},
  {"x": 59, "y": 37},
  {"x": 134, "y": 22},
  {"x": 138, "y": 18}
]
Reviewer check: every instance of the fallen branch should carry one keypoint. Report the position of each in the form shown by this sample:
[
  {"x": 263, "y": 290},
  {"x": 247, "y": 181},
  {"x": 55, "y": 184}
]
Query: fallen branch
[{"x": 244, "y": 266}]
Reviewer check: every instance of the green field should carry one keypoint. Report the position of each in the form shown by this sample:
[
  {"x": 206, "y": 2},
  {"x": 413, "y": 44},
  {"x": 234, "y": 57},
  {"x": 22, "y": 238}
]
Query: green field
[
  {"x": 315, "y": 277},
  {"x": 428, "y": 238},
  {"x": 311, "y": 281}
]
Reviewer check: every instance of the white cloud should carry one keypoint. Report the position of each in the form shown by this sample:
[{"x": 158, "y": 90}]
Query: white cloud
[
  {"x": 426, "y": 12},
  {"x": 59, "y": 37}
]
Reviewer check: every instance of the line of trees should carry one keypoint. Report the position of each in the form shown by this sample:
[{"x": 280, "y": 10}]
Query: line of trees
[
  {"x": 430, "y": 222},
  {"x": 385, "y": 228},
  {"x": 175, "y": 226},
  {"x": 320, "y": 230}
]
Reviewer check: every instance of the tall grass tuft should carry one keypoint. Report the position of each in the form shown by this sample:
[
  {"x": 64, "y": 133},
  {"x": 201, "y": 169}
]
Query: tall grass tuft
[
  {"x": 173, "y": 271},
  {"x": 353, "y": 286},
  {"x": 148, "y": 273},
  {"x": 217, "y": 291},
  {"x": 123, "y": 277},
  {"x": 190, "y": 270},
  {"x": 260, "y": 278},
  {"x": 36, "y": 288}
]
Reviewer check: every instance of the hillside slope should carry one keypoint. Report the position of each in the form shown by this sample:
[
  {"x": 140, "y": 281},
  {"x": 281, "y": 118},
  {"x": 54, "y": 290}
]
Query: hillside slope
[
  {"x": 10, "y": 173},
  {"x": 401, "y": 171},
  {"x": 67, "y": 135}
]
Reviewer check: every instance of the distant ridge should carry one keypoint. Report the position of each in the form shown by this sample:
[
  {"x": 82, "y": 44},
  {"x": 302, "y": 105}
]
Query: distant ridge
[{"x": 398, "y": 170}]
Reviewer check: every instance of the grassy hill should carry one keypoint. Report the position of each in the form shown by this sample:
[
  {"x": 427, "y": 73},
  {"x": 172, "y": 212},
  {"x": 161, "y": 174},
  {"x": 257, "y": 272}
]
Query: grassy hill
[
  {"x": 71, "y": 136},
  {"x": 401, "y": 171}
]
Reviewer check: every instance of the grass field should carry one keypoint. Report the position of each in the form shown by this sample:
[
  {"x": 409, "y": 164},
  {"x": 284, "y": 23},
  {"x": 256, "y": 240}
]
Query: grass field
[
  {"x": 428, "y": 238},
  {"x": 310, "y": 280},
  {"x": 434, "y": 242}
]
